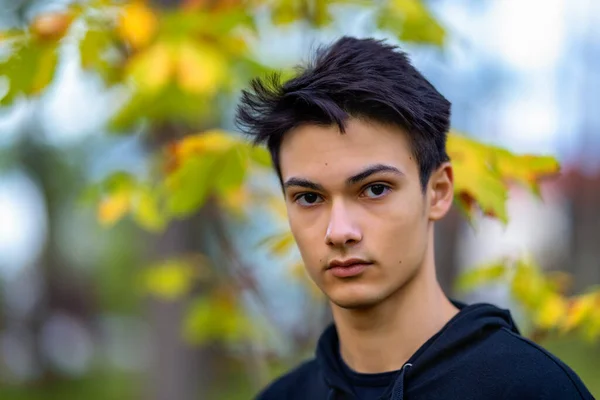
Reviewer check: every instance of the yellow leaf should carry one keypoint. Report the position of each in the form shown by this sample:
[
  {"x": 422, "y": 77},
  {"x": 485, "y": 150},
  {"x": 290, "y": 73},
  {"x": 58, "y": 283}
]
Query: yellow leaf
[
  {"x": 151, "y": 69},
  {"x": 552, "y": 311},
  {"x": 215, "y": 140},
  {"x": 280, "y": 243},
  {"x": 528, "y": 285},
  {"x": 169, "y": 280},
  {"x": 525, "y": 169},
  {"x": 475, "y": 179},
  {"x": 481, "y": 275},
  {"x": 137, "y": 24},
  {"x": 580, "y": 308},
  {"x": 200, "y": 69},
  {"x": 112, "y": 208},
  {"x": 483, "y": 172}
]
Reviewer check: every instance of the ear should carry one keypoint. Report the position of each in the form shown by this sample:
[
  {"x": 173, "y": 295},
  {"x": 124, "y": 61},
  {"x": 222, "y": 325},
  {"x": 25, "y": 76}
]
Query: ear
[{"x": 441, "y": 191}]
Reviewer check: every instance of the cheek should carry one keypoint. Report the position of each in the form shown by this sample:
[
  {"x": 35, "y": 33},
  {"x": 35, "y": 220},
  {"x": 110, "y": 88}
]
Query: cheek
[
  {"x": 308, "y": 237},
  {"x": 399, "y": 231}
]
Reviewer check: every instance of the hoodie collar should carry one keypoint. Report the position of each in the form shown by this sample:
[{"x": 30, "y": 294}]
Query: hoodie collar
[{"x": 468, "y": 326}]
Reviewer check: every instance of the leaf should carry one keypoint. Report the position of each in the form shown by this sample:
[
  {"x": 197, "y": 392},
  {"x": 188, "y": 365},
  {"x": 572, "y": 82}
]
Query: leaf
[
  {"x": 51, "y": 26},
  {"x": 168, "y": 280},
  {"x": 235, "y": 200},
  {"x": 217, "y": 317},
  {"x": 278, "y": 244},
  {"x": 231, "y": 170},
  {"x": 591, "y": 330},
  {"x": 528, "y": 285},
  {"x": 137, "y": 24},
  {"x": 113, "y": 207},
  {"x": 188, "y": 187},
  {"x": 481, "y": 275},
  {"x": 152, "y": 68},
  {"x": 411, "y": 21},
  {"x": 94, "y": 48},
  {"x": 551, "y": 312},
  {"x": 476, "y": 181},
  {"x": 579, "y": 309},
  {"x": 285, "y": 12},
  {"x": 200, "y": 69},
  {"x": 146, "y": 211},
  {"x": 29, "y": 69},
  {"x": 525, "y": 169},
  {"x": 260, "y": 156}
]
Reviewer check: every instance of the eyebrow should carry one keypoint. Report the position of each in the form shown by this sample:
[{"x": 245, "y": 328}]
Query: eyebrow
[
  {"x": 371, "y": 170},
  {"x": 305, "y": 183},
  {"x": 354, "y": 179}
]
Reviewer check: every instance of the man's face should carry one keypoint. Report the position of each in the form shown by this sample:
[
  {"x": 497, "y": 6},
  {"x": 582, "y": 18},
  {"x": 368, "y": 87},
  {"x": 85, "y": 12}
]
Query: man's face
[{"x": 354, "y": 200}]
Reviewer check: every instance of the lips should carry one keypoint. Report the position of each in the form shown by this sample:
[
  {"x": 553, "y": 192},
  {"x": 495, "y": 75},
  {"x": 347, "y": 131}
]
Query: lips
[{"x": 348, "y": 268}]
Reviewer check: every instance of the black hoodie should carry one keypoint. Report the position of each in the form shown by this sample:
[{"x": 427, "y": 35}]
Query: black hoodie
[{"x": 478, "y": 354}]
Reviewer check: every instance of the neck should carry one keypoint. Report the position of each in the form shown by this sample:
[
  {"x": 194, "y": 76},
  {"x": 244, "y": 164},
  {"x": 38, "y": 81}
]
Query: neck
[{"x": 384, "y": 337}]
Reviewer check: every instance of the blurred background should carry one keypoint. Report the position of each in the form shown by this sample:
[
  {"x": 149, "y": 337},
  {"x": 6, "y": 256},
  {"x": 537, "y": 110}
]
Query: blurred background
[{"x": 129, "y": 272}]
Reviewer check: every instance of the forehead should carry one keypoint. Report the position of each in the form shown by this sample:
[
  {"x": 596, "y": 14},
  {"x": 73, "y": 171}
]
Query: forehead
[{"x": 322, "y": 152}]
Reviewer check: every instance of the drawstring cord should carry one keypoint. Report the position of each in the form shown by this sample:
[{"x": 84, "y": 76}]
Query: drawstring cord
[{"x": 398, "y": 390}]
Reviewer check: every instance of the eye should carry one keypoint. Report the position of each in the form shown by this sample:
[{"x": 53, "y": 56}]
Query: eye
[
  {"x": 308, "y": 199},
  {"x": 375, "y": 191}
]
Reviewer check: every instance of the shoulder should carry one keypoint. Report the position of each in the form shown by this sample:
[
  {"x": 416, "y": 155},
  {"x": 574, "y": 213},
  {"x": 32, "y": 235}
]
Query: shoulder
[
  {"x": 530, "y": 371},
  {"x": 295, "y": 382}
]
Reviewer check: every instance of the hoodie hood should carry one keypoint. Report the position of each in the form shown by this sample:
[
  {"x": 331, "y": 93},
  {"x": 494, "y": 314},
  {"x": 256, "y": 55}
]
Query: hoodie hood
[{"x": 471, "y": 325}]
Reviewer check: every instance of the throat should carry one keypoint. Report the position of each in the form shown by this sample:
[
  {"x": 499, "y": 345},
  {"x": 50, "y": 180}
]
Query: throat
[{"x": 385, "y": 338}]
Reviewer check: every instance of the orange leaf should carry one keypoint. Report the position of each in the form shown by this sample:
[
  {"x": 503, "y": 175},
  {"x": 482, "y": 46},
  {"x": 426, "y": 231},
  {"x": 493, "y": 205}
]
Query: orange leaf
[
  {"x": 51, "y": 26},
  {"x": 579, "y": 309},
  {"x": 112, "y": 208},
  {"x": 137, "y": 24}
]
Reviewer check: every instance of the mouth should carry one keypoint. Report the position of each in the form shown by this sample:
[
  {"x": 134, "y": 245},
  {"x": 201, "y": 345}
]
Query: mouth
[{"x": 348, "y": 268}]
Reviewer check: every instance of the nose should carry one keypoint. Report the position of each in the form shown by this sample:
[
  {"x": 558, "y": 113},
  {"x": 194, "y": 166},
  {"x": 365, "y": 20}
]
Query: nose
[{"x": 342, "y": 231}]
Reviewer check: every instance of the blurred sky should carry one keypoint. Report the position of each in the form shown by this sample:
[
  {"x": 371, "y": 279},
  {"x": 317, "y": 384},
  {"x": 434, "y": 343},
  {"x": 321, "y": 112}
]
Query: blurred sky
[{"x": 513, "y": 70}]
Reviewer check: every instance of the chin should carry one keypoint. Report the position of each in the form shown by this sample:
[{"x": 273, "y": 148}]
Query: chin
[{"x": 355, "y": 300}]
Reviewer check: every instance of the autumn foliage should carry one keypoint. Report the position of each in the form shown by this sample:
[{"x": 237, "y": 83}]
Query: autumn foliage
[{"x": 178, "y": 66}]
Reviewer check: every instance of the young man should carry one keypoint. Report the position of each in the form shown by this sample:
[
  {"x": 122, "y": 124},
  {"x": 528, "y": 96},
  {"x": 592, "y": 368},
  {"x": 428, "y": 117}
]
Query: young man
[{"x": 358, "y": 141}]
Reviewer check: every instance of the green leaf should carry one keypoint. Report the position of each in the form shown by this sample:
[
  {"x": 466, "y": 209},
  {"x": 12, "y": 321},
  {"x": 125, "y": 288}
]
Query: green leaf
[
  {"x": 94, "y": 51},
  {"x": 146, "y": 211},
  {"x": 170, "y": 104},
  {"x": 260, "y": 156},
  {"x": 217, "y": 318},
  {"x": 168, "y": 280},
  {"x": 188, "y": 187},
  {"x": 231, "y": 169},
  {"x": 29, "y": 68},
  {"x": 285, "y": 12},
  {"x": 481, "y": 275},
  {"x": 411, "y": 21}
]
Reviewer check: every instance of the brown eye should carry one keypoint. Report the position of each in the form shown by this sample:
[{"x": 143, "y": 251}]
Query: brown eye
[
  {"x": 377, "y": 190},
  {"x": 308, "y": 199}
]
